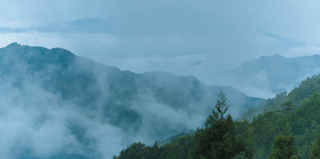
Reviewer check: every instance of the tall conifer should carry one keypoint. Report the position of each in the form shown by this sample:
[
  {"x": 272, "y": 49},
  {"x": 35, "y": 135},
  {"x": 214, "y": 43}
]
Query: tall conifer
[{"x": 217, "y": 139}]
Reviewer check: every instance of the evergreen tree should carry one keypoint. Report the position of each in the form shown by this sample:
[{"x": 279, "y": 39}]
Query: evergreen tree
[
  {"x": 288, "y": 106},
  {"x": 315, "y": 150},
  {"x": 217, "y": 139},
  {"x": 283, "y": 147},
  {"x": 135, "y": 151}
]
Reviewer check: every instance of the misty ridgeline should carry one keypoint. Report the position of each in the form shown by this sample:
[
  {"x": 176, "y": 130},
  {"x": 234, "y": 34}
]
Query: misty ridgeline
[
  {"x": 286, "y": 127},
  {"x": 58, "y": 104},
  {"x": 55, "y": 104}
]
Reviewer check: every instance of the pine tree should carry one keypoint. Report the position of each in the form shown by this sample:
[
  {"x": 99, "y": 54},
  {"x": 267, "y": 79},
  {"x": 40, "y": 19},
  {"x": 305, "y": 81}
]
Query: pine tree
[
  {"x": 283, "y": 147},
  {"x": 217, "y": 139},
  {"x": 287, "y": 106},
  {"x": 135, "y": 151}
]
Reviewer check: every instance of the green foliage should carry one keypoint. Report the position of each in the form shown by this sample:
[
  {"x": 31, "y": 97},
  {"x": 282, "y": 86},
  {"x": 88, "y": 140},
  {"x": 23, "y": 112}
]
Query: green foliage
[
  {"x": 296, "y": 97},
  {"x": 217, "y": 139},
  {"x": 307, "y": 87},
  {"x": 139, "y": 151},
  {"x": 178, "y": 148},
  {"x": 315, "y": 150},
  {"x": 288, "y": 106},
  {"x": 299, "y": 112},
  {"x": 224, "y": 138},
  {"x": 175, "y": 138},
  {"x": 283, "y": 147},
  {"x": 266, "y": 105}
]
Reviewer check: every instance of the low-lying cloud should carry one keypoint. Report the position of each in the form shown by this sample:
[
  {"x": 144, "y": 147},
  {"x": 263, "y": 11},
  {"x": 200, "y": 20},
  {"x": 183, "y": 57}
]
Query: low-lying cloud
[
  {"x": 38, "y": 123},
  {"x": 172, "y": 37}
]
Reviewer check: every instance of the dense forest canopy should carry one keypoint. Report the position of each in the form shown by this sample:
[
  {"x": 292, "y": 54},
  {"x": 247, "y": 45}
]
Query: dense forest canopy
[{"x": 286, "y": 126}]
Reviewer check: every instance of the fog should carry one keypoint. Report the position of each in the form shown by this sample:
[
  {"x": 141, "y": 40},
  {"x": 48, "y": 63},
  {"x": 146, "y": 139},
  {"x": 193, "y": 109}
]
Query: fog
[
  {"x": 197, "y": 38},
  {"x": 37, "y": 121},
  {"x": 36, "y": 124},
  {"x": 169, "y": 36}
]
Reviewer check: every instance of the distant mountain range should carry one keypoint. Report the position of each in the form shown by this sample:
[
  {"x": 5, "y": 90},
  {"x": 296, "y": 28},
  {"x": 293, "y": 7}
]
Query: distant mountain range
[
  {"x": 160, "y": 20},
  {"x": 154, "y": 104},
  {"x": 92, "y": 101},
  {"x": 270, "y": 73}
]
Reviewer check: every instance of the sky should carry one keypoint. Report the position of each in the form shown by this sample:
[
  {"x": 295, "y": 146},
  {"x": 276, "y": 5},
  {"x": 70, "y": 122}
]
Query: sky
[{"x": 198, "y": 38}]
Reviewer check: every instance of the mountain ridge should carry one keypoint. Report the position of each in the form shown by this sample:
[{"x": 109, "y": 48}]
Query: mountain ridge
[
  {"x": 96, "y": 108},
  {"x": 71, "y": 72},
  {"x": 273, "y": 73}
]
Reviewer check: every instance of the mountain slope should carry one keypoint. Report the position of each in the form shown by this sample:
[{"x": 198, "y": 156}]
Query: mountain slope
[
  {"x": 97, "y": 107},
  {"x": 300, "y": 120},
  {"x": 273, "y": 74}
]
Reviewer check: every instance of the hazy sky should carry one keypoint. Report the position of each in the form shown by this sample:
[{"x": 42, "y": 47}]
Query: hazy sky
[{"x": 187, "y": 37}]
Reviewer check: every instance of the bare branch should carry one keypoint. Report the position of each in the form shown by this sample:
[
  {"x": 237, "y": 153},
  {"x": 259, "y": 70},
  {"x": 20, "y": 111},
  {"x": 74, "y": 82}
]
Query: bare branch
[{"x": 313, "y": 155}]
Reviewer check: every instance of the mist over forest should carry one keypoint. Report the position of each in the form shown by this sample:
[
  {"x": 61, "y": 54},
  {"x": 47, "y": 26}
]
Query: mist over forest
[
  {"x": 90, "y": 106},
  {"x": 82, "y": 79}
]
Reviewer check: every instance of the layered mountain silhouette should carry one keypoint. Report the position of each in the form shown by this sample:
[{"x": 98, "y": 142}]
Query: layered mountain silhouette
[
  {"x": 272, "y": 73},
  {"x": 160, "y": 21},
  {"x": 91, "y": 110},
  {"x": 118, "y": 95}
]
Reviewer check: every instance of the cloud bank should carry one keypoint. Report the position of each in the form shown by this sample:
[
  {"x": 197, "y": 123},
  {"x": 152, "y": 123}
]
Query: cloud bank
[{"x": 169, "y": 35}]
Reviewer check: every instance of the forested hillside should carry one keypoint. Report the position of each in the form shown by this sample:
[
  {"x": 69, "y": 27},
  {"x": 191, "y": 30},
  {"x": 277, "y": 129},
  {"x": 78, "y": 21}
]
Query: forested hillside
[
  {"x": 98, "y": 103},
  {"x": 309, "y": 86},
  {"x": 288, "y": 118}
]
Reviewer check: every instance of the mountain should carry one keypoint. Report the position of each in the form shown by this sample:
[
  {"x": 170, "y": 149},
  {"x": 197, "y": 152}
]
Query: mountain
[
  {"x": 156, "y": 21},
  {"x": 270, "y": 74},
  {"x": 295, "y": 115},
  {"x": 94, "y": 107},
  {"x": 297, "y": 112},
  {"x": 300, "y": 94}
]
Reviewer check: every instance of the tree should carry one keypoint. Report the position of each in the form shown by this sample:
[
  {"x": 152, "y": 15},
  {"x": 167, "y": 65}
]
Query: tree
[
  {"x": 217, "y": 139},
  {"x": 283, "y": 147},
  {"x": 315, "y": 150},
  {"x": 288, "y": 106},
  {"x": 135, "y": 151}
]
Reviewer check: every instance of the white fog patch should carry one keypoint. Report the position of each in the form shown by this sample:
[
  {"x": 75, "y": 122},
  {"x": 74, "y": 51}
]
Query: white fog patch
[
  {"x": 254, "y": 91},
  {"x": 180, "y": 65},
  {"x": 54, "y": 137},
  {"x": 157, "y": 117},
  {"x": 257, "y": 86},
  {"x": 32, "y": 116},
  {"x": 179, "y": 117},
  {"x": 315, "y": 71},
  {"x": 35, "y": 123},
  {"x": 260, "y": 79},
  {"x": 109, "y": 140},
  {"x": 302, "y": 51}
]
